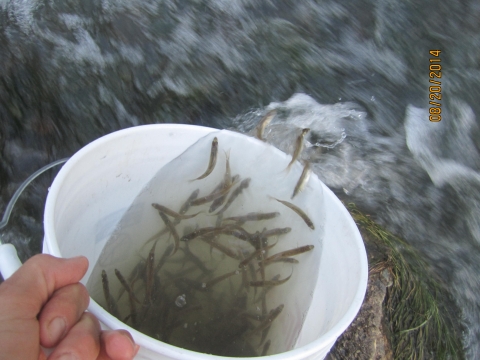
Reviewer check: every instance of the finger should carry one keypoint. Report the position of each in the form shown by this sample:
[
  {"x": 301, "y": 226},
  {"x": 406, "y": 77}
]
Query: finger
[
  {"x": 81, "y": 342},
  {"x": 30, "y": 287},
  {"x": 117, "y": 345},
  {"x": 61, "y": 313}
]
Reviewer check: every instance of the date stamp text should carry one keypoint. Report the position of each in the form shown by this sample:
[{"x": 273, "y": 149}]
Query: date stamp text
[{"x": 435, "y": 88}]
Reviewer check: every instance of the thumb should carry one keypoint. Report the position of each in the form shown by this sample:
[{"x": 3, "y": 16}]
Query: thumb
[{"x": 30, "y": 287}]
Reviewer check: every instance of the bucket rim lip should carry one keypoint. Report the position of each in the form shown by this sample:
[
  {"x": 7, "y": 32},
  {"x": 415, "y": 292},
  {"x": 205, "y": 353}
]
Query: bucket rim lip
[{"x": 328, "y": 338}]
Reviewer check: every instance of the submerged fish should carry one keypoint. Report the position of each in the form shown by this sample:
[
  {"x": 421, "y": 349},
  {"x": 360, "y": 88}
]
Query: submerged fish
[
  {"x": 227, "y": 178},
  {"x": 267, "y": 322},
  {"x": 298, "y": 148},
  {"x": 287, "y": 260},
  {"x": 111, "y": 305},
  {"x": 172, "y": 213},
  {"x": 137, "y": 272},
  {"x": 209, "y": 230},
  {"x": 253, "y": 216},
  {"x": 288, "y": 253},
  {"x": 264, "y": 123},
  {"x": 303, "y": 180},
  {"x": 186, "y": 205},
  {"x": 212, "y": 282},
  {"x": 131, "y": 297},
  {"x": 261, "y": 283},
  {"x": 150, "y": 274},
  {"x": 243, "y": 185},
  {"x": 213, "y": 160},
  {"x": 163, "y": 259},
  {"x": 171, "y": 227},
  {"x": 259, "y": 252},
  {"x": 222, "y": 192},
  {"x": 299, "y": 212},
  {"x": 266, "y": 346},
  {"x": 222, "y": 248},
  {"x": 194, "y": 259},
  {"x": 227, "y": 182},
  {"x": 276, "y": 231}
]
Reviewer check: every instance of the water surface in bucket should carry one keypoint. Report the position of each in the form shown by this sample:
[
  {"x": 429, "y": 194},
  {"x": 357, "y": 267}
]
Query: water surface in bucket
[{"x": 207, "y": 285}]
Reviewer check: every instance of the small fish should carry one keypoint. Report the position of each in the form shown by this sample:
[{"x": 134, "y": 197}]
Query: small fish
[
  {"x": 289, "y": 253},
  {"x": 216, "y": 202},
  {"x": 213, "y": 160},
  {"x": 253, "y": 275},
  {"x": 163, "y": 259},
  {"x": 264, "y": 335},
  {"x": 261, "y": 283},
  {"x": 257, "y": 240},
  {"x": 227, "y": 178},
  {"x": 256, "y": 253},
  {"x": 131, "y": 296},
  {"x": 298, "y": 148},
  {"x": 183, "y": 209},
  {"x": 149, "y": 274},
  {"x": 267, "y": 322},
  {"x": 172, "y": 213},
  {"x": 266, "y": 346},
  {"x": 253, "y": 217},
  {"x": 266, "y": 289},
  {"x": 186, "y": 205},
  {"x": 275, "y": 232},
  {"x": 227, "y": 182},
  {"x": 245, "y": 283},
  {"x": 171, "y": 227},
  {"x": 210, "y": 230},
  {"x": 212, "y": 282},
  {"x": 135, "y": 274},
  {"x": 264, "y": 123},
  {"x": 219, "y": 220},
  {"x": 224, "y": 249},
  {"x": 243, "y": 185},
  {"x": 177, "y": 220},
  {"x": 287, "y": 260},
  {"x": 206, "y": 199},
  {"x": 299, "y": 213},
  {"x": 111, "y": 305},
  {"x": 264, "y": 306},
  {"x": 237, "y": 231},
  {"x": 303, "y": 180},
  {"x": 194, "y": 259}
]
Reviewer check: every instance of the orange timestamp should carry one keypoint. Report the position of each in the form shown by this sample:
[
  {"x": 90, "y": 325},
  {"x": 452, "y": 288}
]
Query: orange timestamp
[{"x": 435, "y": 90}]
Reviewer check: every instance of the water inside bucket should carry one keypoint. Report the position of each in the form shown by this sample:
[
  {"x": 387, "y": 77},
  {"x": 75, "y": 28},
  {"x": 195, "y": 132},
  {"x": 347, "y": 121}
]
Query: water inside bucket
[{"x": 212, "y": 293}]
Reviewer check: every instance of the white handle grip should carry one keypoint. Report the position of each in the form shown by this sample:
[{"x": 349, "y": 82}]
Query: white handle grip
[{"x": 9, "y": 261}]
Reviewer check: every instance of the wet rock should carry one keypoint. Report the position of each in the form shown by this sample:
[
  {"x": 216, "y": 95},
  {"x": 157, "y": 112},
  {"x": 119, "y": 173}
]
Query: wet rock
[{"x": 365, "y": 338}]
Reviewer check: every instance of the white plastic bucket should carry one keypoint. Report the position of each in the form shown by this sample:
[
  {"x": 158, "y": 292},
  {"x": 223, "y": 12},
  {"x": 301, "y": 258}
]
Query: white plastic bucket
[{"x": 96, "y": 186}]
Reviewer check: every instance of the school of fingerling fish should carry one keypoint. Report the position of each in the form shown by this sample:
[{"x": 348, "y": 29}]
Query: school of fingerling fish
[{"x": 226, "y": 314}]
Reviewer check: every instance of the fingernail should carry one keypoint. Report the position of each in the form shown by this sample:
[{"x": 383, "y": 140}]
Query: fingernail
[
  {"x": 77, "y": 257},
  {"x": 136, "y": 349},
  {"x": 67, "y": 357},
  {"x": 57, "y": 328}
]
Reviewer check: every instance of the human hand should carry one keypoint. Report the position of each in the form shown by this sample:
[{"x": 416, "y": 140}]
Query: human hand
[{"x": 43, "y": 304}]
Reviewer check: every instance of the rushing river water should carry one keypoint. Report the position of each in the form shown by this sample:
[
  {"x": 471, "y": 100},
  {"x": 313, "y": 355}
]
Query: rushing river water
[{"x": 356, "y": 73}]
